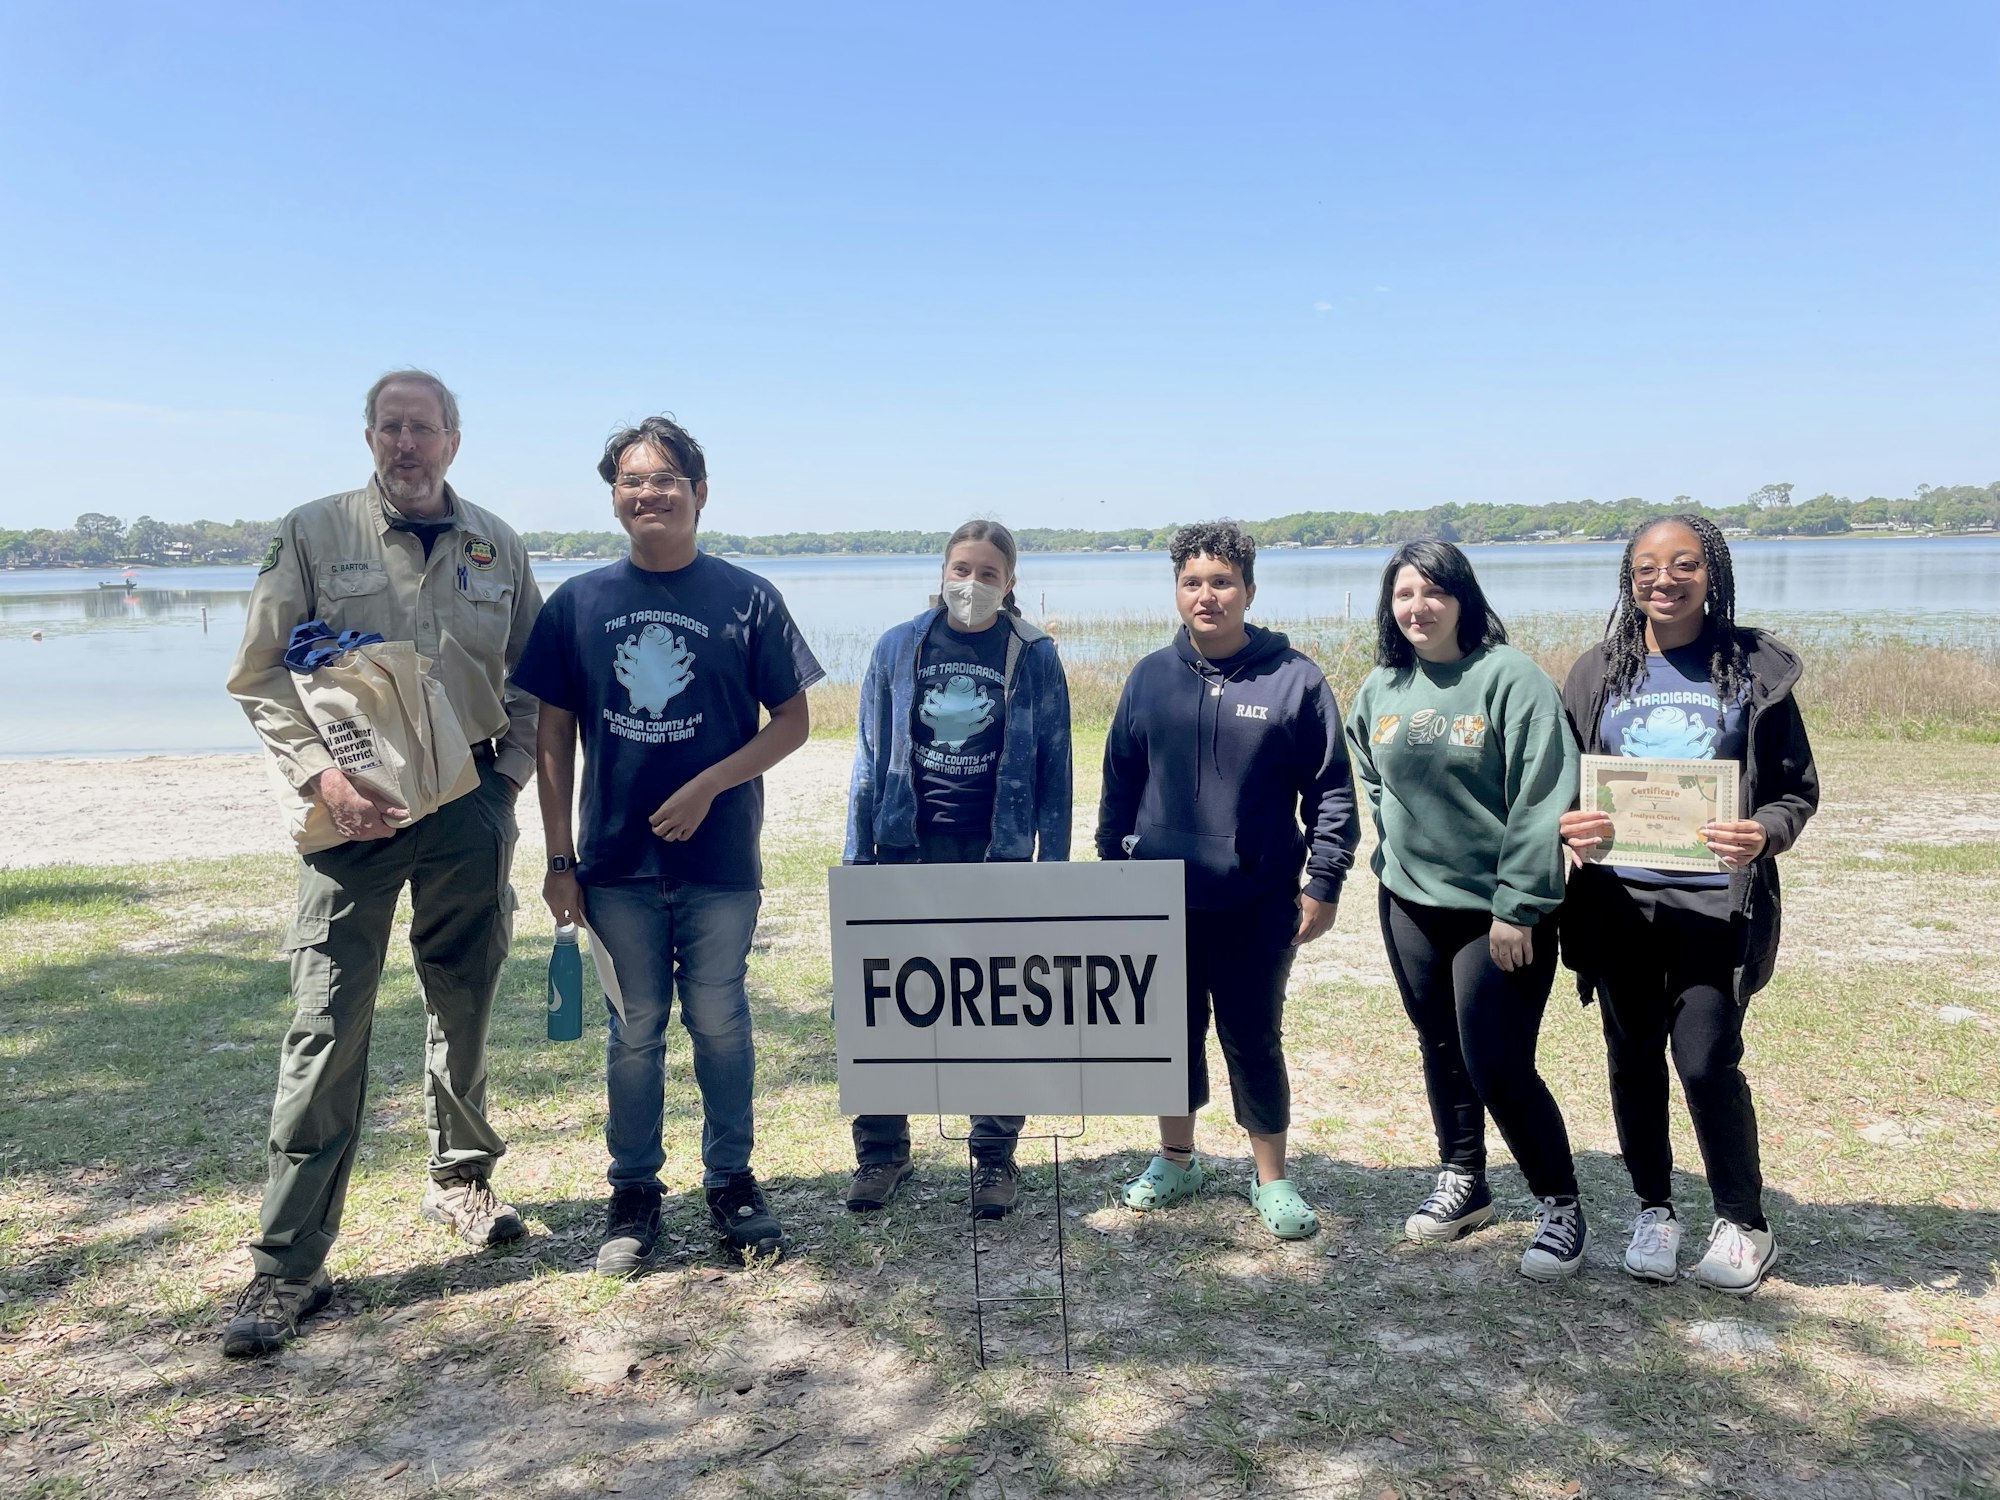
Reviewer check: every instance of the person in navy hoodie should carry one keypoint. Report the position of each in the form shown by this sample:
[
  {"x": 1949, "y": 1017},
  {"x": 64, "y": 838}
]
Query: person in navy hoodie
[
  {"x": 1222, "y": 743},
  {"x": 962, "y": 756}
]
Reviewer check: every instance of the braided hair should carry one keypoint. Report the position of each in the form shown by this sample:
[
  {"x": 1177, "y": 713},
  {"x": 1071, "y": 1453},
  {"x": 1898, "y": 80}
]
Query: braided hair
[{"x": 1625, "y": 631}]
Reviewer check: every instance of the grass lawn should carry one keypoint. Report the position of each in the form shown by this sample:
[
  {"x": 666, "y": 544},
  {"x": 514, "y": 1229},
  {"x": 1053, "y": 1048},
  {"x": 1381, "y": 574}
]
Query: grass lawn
[{"x": 140, "y": 1010}]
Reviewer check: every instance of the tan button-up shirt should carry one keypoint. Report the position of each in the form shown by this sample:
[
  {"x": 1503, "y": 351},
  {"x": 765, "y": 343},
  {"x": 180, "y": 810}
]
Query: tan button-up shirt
[{"x": 469, "y": 608}]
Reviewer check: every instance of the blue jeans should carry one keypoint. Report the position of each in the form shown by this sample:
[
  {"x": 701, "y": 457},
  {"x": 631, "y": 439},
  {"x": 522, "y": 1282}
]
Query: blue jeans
[{"x": 650, "y": 937}]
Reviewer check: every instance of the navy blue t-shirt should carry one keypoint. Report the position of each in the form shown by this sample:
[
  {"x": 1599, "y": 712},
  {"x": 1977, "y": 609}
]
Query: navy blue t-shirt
[
  {"x": 1674, "y": 713},
  {"x": 957, "y": 725},
  {"x": 665, "y": 673}
]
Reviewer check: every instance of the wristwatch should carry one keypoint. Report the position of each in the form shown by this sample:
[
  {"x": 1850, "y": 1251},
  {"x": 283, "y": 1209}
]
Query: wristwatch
[{"x": 559, "y": 863}]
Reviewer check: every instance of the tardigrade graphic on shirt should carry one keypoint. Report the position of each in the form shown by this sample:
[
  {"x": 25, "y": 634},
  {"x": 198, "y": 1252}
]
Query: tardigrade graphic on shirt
[
  {"x": 957, "y": 711},
  {"x": 1669, "y": 733},
  {"x": 652, "y": 662},
  {"x": 1427, "y": 727},
  {"x": 1676, "y": 724},
  {"x": 654, "y": 667}
]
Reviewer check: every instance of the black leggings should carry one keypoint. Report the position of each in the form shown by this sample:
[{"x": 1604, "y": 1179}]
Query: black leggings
[
  {"x": 1478, "y": 1026},
  {"x": 1674, "y": 987}
]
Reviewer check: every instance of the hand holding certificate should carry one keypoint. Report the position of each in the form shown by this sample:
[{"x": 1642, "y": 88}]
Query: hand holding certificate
[{"x": 1662, "y": 815}]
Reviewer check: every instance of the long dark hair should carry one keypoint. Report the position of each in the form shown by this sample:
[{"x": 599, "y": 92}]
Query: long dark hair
[
  {"x": 1001, "y": 538},
  {"x": 1625, "y": 631},
  {"x": 1447, "y": 567}
]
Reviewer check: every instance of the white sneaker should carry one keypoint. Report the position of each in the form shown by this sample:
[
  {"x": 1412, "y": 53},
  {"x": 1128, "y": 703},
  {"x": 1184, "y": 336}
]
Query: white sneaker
[
  {"x": 1655, "y": 1251},
  {"x": 1459, "y": 1204},
  {"x": 1560, "y": 1238},
  {"x": 1737, "y": 1259}
]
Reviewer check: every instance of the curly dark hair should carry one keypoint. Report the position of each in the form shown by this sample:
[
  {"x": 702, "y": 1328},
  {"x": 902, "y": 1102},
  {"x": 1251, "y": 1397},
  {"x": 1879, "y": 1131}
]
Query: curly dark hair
[
  {"x": 1224, "y": 541},
  {"x": 1447, "y": 567},
  {"x": 1625, "y": 631},
  {"x": 663, "y": 433}
]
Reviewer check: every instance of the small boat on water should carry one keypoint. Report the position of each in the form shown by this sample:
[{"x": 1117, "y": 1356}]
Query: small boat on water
[{"x": 130, "y": 588}]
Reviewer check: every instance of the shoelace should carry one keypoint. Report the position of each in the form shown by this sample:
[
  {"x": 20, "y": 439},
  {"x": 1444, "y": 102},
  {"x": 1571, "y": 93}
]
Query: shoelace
[
  {"x": 1650, "y": 1233},
  {"x": 1448, "y": 1199},
  {"x": 1556, "y": 1231},
  {"x": 1734, "y": 1241},
  {"x": 988, "y": 1174}
]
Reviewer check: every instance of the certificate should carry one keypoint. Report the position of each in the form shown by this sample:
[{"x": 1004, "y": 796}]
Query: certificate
[{"x": 1657, "y": 809}]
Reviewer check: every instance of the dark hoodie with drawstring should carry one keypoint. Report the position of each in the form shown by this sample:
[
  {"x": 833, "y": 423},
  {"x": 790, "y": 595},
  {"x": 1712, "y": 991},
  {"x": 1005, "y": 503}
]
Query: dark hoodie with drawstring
[
  {"x": 1778, "y": 786},
  {"x": 1236, "y": 766}
]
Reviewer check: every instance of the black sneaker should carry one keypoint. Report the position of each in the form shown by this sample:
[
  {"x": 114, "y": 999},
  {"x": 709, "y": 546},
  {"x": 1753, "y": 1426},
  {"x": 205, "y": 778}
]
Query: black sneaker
[
  {"x": 996, "y": 1189},
  {"x": 631, "y": 1229},
  {"x": 1458, "y": 1205},
  {"x": 1560, "y": 1237},
  {"x": 739, "y": 1211},
  {"x": 875, "y": 1183},
  {"x": 269, "y": 1311}
]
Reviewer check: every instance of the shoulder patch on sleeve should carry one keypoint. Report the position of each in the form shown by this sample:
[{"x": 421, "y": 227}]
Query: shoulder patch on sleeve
[{"x": 271, "y": 555}]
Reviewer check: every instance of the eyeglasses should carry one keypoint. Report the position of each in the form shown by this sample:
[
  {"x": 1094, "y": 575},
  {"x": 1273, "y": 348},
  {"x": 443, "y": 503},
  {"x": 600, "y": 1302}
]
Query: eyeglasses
[
  {"x": 423, "y": 432},
  {"x": 1681, "y": 569},
  {"x": 658, "y": 484}
]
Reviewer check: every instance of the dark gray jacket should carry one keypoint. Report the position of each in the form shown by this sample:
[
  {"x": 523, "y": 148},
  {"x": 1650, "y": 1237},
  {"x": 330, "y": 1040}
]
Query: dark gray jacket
[{"x": 1779, "y": 788}]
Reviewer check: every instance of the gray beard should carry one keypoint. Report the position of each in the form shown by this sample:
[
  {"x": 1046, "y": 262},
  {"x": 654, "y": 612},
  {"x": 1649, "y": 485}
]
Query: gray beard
[{"x": 406, "y": 492}]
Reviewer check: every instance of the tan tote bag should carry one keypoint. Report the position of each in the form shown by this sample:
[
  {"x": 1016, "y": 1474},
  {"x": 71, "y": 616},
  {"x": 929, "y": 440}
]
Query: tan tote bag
[{"x": 389, "y": 727}]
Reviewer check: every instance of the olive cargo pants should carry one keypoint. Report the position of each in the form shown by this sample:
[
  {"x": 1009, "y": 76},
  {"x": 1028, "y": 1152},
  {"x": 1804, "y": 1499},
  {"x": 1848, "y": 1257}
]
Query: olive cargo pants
[{"x": 456, "y": 863}]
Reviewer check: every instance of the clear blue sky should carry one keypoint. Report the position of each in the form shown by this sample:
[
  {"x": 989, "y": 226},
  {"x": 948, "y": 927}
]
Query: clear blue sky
[{"x": 1101, "y": 264}]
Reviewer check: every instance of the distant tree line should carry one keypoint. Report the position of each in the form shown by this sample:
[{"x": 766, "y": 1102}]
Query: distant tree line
[{"x": 101, "y": 540}]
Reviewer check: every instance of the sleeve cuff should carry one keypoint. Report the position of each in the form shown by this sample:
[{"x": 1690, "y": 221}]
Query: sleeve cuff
[
  {"x": 1327, "y": 890},
  {"x": 516, "y": 764},
  {"x": 1522, "y": 911},
  {"x": 301, "y": 763}
]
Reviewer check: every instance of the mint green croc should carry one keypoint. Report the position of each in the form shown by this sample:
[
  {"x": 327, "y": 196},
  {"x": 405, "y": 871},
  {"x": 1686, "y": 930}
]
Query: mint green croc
[
  {"x": 1283, "y": 1211},
  {"x": 1163, "y": 1183}
]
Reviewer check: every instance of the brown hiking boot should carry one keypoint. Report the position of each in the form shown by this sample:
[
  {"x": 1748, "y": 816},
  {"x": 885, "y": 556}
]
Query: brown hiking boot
[
  {"x": 468, "y": 1205},
  {"x": 875, "y": 1183},
  {"x": 269, "y": 1310},
  {"x": 996, "y": 1189}
]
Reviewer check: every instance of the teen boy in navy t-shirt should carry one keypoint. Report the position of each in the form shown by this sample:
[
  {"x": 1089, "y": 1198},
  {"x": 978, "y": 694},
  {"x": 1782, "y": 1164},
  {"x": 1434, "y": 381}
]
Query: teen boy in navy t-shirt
[{"x": 662, "y": 664}]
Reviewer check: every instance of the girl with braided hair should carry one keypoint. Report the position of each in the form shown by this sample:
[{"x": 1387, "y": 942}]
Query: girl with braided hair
[{"x": 1674, "y": 958}]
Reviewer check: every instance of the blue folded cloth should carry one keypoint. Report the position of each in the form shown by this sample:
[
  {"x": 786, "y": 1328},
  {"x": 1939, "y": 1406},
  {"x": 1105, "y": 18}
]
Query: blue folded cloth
[{"x": 314, "y": 644}]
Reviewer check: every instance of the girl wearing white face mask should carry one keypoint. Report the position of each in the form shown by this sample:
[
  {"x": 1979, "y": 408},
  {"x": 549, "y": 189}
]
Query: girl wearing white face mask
[{"x": 963, "y": 756}]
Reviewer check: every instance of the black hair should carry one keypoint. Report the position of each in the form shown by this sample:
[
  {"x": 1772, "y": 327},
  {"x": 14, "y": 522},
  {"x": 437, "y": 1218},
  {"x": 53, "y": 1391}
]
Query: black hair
[
  {"x": 1224, "y": 541},
  {"x": 1625, "y": 631},
  {"x": 663, "y": 433},
  {"x": 1002, "y": 540},
  {"x": 1447, "y": 567}
]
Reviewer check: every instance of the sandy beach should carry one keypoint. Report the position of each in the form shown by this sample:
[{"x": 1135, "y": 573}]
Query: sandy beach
[{"x": 165, "y": 807}]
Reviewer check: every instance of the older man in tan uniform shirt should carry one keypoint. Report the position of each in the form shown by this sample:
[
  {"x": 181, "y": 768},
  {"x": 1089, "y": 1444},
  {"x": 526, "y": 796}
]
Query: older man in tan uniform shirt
[{"x": 409, "y": 558}]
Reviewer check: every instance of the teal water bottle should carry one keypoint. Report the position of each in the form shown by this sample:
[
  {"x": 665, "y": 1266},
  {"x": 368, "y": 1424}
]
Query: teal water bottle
[{"x": 565, "y": 987}]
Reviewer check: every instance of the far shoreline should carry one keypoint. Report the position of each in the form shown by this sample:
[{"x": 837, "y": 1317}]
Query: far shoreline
[{"x": 1031, "y": 551}]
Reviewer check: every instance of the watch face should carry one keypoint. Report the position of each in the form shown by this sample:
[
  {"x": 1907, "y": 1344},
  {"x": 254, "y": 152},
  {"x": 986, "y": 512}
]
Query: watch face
[{"x": 560, "y": 862}]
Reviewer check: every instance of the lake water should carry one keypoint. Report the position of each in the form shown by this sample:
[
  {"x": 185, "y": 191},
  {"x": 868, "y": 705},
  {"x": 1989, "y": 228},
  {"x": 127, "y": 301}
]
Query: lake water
[{"x": 120, "y": 673}]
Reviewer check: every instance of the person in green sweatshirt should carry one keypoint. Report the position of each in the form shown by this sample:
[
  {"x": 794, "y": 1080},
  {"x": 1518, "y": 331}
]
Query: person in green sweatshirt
[{"x": 1462, "y": 750}]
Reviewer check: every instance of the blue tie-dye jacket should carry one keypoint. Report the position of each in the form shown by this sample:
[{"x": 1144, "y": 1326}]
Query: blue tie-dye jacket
[{"x": 1031, "y": 798}]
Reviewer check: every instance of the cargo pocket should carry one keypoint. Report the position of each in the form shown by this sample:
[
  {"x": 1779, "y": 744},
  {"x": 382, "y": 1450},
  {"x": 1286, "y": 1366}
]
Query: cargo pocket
[{"x": 312, "y": 968}]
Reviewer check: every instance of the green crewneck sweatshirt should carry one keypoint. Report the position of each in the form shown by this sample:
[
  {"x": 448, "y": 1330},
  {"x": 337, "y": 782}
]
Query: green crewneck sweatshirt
[{"x": 1467, "y": 769}]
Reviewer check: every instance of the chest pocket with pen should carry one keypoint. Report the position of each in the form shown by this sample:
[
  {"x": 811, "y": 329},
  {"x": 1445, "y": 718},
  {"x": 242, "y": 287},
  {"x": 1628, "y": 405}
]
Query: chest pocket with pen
[{"x": 485, "y": 609}]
